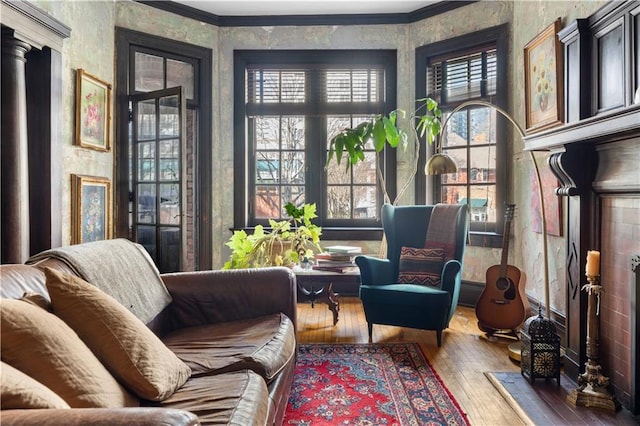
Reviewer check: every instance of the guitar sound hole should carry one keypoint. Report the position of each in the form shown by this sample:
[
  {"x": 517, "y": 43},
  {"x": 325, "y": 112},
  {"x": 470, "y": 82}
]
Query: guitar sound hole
[
  {"x": 502, "y": 284},
  {"x": 506, "y": 285}
]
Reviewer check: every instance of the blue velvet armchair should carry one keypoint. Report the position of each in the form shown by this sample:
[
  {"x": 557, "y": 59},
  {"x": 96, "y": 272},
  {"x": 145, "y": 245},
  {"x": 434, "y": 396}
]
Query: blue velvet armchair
[{"x": 388, "y": 302}]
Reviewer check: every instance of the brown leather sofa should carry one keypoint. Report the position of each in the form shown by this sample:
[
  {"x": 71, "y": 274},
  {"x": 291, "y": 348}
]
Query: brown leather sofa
[{"x": 235, "y": 329}]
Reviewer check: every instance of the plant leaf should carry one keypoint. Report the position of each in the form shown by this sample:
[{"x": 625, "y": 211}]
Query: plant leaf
[
  {"x": 379, "y": 135},
  {"x": 391, "y": 131}
]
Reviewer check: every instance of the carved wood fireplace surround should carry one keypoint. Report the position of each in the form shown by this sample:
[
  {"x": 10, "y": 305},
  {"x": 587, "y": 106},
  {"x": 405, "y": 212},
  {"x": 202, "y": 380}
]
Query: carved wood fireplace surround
[{"x": 596, "y": 158}]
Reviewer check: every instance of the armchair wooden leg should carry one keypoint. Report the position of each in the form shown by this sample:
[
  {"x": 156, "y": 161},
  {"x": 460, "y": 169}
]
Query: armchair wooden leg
[
  {"x": 370, "y": 328},
  {"x": 439, "y": 337}
]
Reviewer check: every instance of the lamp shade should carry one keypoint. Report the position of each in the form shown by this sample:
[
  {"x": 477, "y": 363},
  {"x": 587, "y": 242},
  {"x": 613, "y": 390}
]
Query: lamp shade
[{"x": 440, "y": 164}]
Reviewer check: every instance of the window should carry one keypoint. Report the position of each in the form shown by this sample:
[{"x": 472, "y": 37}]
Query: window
[
  {"x": 454, "y": 71},
  {"x": 288, "y": 106}
]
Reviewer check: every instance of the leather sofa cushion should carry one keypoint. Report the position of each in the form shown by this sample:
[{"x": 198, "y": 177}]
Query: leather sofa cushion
[
  {"x": 133, "y": 354},
  {"x": 238, "y": 398},
  {"x": 17, "y": 390},
  {"x": 44, "y": 347},
  {"x": 264, "y": 344},
  {"x": 16, "y": 280}
]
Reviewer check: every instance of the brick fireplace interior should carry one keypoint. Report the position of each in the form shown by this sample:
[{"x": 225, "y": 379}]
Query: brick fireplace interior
[{"x": 620, "y": 235}]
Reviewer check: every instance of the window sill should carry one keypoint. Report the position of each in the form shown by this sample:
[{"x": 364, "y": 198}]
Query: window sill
[
  {"x": 339, "y": 234},
  {"x": 476, "y": 239},
  {"x": 485, "y": 239}
]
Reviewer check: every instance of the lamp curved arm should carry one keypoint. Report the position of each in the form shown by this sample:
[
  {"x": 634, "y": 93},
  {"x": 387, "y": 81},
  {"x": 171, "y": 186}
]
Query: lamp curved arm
[{"x": 543, "y": 216}]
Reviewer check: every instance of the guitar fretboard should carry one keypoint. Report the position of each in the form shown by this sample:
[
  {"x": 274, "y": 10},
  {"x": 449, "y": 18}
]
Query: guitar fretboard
[{"x": 505, "y": 239}]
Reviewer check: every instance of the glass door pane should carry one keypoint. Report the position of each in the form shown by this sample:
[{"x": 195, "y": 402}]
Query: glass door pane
[{"x": 157, "y": 176}]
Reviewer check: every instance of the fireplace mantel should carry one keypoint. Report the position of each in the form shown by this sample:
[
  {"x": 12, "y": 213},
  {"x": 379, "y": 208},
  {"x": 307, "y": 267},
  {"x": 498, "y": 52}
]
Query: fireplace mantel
[
  {"x": 595, "y": 157},
  {"x": 574, "y": 148},
  {"x": 608, "y": 127}
]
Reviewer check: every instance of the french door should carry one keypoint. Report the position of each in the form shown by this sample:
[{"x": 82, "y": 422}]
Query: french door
[{"x": 157, "y": 165}]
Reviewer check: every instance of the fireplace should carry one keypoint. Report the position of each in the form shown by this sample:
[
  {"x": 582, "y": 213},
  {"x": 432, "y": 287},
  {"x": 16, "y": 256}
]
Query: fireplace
[{"x": 596, "y": 157}]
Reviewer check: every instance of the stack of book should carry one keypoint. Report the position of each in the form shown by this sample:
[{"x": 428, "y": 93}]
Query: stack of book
[{"x": 337, "y": 259}]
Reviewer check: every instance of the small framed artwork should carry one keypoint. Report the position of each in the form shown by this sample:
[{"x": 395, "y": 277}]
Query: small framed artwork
[
  {"x": 93, "y": 112},
  {"x": 543, "y": 77},
  {"x": 91, "y": 208}
]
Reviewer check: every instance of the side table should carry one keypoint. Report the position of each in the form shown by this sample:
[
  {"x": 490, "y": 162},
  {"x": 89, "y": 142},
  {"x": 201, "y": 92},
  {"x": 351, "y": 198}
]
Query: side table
[{"x": 318, "y": 285}]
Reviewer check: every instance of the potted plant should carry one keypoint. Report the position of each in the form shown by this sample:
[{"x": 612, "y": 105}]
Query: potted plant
[
  {"x": 383, "y": 129},
  {"x": 286, "y": 243}
]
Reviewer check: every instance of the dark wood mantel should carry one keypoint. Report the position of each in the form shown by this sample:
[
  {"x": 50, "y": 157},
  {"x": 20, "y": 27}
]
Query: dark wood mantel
[
  {"x": 596, "y": 158},
  {"x": 608, "y": 127}
]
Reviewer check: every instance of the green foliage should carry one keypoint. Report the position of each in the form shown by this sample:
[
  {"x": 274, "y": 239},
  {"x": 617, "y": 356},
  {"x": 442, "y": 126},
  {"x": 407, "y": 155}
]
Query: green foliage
[
  {"x": 286, "y": 243},
  {"x": 383, "y": 129}
]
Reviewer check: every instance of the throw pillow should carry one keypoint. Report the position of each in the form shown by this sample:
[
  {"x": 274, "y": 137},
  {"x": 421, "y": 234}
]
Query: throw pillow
[
  {"x": 43, "y": 347},
  {"x": 126, "y": 346},
  {"x": 18, "y": 391},
  {"x": 421, "y": 266}
]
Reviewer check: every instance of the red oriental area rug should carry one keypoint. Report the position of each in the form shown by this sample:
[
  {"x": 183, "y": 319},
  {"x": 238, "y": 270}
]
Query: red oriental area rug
[{"x": 369, "y": 384}]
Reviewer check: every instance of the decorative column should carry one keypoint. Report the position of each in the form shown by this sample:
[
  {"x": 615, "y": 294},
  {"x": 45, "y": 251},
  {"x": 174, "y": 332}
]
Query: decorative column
[{"x": 14, "y": 200}]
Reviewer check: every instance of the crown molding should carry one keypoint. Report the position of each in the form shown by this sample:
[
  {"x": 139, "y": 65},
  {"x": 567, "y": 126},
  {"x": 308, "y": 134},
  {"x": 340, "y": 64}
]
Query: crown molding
[
  {"x": 306, "y": 20},
  {"x": 33, "y": 25}
]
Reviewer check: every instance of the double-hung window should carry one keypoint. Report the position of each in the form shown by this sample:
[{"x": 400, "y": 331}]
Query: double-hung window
[
  {"x": 288, "y": 105},
  {"x": 454, "y": 71}
]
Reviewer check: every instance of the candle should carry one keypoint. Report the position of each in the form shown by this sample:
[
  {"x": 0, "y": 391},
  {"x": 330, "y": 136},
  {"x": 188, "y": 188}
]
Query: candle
[{"x": 593, "y": 263}]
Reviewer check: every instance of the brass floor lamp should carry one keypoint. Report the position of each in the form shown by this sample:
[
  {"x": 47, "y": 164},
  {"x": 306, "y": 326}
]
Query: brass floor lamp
[
  {"x": 539, "y": 349},
  {"x": 593, "y": 390},
  {"x": 441, "y": 163}
]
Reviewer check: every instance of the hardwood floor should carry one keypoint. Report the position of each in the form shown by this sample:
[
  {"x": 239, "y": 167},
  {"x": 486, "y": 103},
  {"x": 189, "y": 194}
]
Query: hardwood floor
[{"x": 461, "y": 362}]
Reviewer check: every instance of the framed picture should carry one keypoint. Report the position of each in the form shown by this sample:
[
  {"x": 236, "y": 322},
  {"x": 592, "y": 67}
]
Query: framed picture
[
  {"x": 91, "y": 208},
  {"x": 93, "y": 112},
  {"x": 543, "y": 77}
]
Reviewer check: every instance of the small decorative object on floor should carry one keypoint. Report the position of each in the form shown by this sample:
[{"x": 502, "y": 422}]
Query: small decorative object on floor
[
  {"x": 368, "y": 384},
  {"x": 593, "y": 387},
  {"x": 540, "y": 350}
]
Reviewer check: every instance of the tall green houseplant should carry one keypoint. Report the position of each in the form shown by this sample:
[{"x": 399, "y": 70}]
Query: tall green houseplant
[{"x": 382, "y": 130}]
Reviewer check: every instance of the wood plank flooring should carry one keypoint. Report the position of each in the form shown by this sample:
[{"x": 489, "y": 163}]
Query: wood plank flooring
[{"x": 461, "y": 362}]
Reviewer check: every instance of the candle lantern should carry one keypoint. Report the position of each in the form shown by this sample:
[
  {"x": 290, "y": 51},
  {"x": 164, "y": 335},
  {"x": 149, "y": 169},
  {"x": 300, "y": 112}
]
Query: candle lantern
[{"x": 540, "y": 349}]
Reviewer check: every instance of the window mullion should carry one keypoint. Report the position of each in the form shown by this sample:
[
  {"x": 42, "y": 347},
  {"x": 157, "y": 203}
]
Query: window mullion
[
  {"x": 483, "y": 78},
  {"x": 443, "y": 85},
  {"x": 316, "y": 96}
]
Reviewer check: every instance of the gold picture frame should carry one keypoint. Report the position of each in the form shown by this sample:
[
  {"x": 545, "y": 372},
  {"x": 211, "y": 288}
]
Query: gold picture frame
[
  {"x": 93, "y": 112},
  {"x": 544, "y": 82},
  {"x": 91, "y": 208}
]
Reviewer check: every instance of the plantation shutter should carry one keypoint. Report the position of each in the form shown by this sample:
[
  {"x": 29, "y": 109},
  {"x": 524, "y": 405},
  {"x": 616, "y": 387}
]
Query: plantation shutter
[
  {"x": 282, "y": 90},
  {"x": 455, "y": 79}
]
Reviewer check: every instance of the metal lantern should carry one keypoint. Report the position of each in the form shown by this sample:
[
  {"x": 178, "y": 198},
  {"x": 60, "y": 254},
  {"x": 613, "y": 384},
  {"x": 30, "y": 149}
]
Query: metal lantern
[{"x": 540, "y": 353}]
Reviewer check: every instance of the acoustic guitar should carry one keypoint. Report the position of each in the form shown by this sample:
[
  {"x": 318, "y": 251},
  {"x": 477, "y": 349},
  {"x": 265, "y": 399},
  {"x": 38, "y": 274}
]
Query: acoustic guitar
[{"x": 501, "y": 305}]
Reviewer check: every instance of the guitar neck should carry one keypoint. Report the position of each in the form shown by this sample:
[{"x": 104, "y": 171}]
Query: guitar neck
[
  {"x": 505, "y": 250},
  {"x": 505, "y": 240}
]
